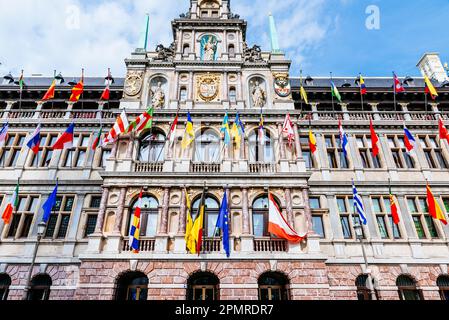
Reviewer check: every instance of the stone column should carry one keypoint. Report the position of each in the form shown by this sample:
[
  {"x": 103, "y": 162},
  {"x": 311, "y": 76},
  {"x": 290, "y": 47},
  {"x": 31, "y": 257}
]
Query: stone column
[
  {"x": 405, "y": 111},
  {"x": 297, "y": 142},
  {"x": 191, "y": 85},
  {"x": 281, "y": 143},
  {"x": 344, "y": 109},
  {"x": 163, "y": 226},
  {"x": 289, "y": 208},
  {"x": 375, "y": 111},
  {"x": 315, "y": 115},
  {"x": 245, "y": 212},
  {"x": 307, "y": 211},
  {"x": 225, "y": 86},
  {"x": 120, "y": 210},
  {"x": 182, "y": 213},
  {"x": 102, "y": 211}
]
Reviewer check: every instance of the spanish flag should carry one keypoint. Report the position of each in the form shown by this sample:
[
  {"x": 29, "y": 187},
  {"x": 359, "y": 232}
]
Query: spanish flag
[
  {"x": 50, "y": 94},
  {"x": 77, "y": 90},
  {"x": 430, "y": 88},
  {"x": 312, "y": 142},
  {"x": 434, "y": 208},
  {"x": 190, "y": 241}
]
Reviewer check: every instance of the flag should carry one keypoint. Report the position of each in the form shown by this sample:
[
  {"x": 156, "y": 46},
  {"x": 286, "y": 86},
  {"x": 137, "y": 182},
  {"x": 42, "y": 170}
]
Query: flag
[
  {"x": 335, "y": 92},
  {"x": 343, "y": 139},
  {"x": 134, "y": 232},
  {"x": 121, "y": 124},
  {"x": 4, "y": 134},
  {"x": 261, "y": 130},
  {"x": 430, "y": 88},
  {"x": 434, "y": 208},
  {"x": 190, "y": 241},
  {"x": 12, "y": 205},
  {"x": 21, "y": 82},
  {"x": 198, "y": 225},
  {"x": 444, "y": 134},
  {"x": 238, "y": 130},
  {"x": 65, "y": 141},
  {"x": 189, "y": 134},
  {"x": 358, "y": 204},
  {"x": 277, "y": 224},
  {"x": 374, "y": 139},
  {"x": 35, "y": 140},
  {"x": 394, "y": 208},
  {"x": 409, "y": 141},
  {"x": 304, "y": 95},
  {"x": 49, "y": 204},
  {"x": 363, "y": 89},
  {"x": 97, "y": 139},
  {"x": 50, "y": 94},
  {"x": 312, "y": 142},
  {"x": 223, "y": 223},
  {"x": 172, "y": 133},
  {"x": 287, "y": 128},
  {"x": 144, "y": 121},
  {"x": 398, "y": 87},
  {"x": 77, "y": 91},
  {"x": 225, "y": 130},
  {"x": 107, "y": 91}
]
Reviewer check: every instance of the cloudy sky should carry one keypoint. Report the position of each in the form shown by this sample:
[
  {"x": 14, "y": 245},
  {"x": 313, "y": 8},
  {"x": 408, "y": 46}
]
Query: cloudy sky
[{"x": 342, "y": 36}]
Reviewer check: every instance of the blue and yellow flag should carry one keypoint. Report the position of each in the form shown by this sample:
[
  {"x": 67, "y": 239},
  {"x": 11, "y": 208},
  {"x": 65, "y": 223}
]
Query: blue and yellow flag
[
  {"x": 225, "y": 130},
  {"x": 238, "y": 130},
  {"x": 189, "y": 134}
]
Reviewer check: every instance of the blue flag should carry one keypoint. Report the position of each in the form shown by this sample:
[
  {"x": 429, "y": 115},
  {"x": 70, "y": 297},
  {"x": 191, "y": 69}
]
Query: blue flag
[
  {"x": 358, "y": 203},
  {"x": 223, "y": 223},
  {"x": 49, "y": 204}
]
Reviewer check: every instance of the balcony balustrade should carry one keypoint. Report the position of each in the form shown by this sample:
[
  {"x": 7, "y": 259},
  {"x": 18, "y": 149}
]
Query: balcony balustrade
[
  {"x": 270, "y": 245},
  {"x": 145, "y": 245},
  {"x": 148, "y": 166},
  {"x": 202, "y": 167},
  {"x": 260, "y": 167}
]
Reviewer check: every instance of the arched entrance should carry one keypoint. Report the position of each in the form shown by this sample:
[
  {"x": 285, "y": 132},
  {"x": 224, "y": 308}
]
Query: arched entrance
[
  {"x": 273, "y": 286},
  {"x": 132, "y": 286},
  {"x": 203, "y": 286}
]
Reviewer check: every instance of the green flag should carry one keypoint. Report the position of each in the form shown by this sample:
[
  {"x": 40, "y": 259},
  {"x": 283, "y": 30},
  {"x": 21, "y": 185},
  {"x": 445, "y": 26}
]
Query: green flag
[{"x": 335, "y": 92}]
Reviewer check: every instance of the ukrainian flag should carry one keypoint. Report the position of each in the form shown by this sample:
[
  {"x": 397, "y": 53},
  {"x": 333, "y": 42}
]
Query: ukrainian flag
[{"x": 189, "y": 135}]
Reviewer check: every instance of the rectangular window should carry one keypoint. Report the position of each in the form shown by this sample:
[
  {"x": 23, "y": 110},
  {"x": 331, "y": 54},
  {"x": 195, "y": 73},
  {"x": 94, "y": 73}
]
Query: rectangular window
[
  {"x": 335, "y": 155},
  {"x": 60, "y": 217},
  {"x": 366, "y": 153},
  {"x": 399, "y": 152},
  {"x": 419, "y": 228},
  {"x": 424, "y": 224},
  {"x": 9, "y": 153},
  {"x": 23, "y": 217},
  {"x": 90, "y": 224},
  {"x": 314, "y": 203},
  {"x": 43, "y": 158},
  {"x": 345, "y": 227},
  {"x": 382, "y": 227},
  {"x": 433, "y": 152},
  {"x": 76, "y": 156},
  {"x": 318, "y": 225}
]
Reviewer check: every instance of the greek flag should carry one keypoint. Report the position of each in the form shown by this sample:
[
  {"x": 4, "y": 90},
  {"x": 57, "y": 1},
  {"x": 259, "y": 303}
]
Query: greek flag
[
  {"x": 358, "y": 203},
  {"x": 343, "y": 139}
]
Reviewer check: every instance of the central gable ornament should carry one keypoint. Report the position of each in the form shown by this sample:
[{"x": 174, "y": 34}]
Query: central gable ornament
[{"x": 208, "y": 87}]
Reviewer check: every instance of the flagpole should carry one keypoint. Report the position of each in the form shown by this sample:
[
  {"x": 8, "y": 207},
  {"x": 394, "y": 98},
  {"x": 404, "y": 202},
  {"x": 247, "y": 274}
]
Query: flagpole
[
  {"x": 358, "y": 227},
  {"x": 394, "y": 90},
  {"x": 21, "y": 89},
  {"x": 332, "y": 95},
  {"x": 300, "y": 86},
  {"x": 361, "y": 95},
  {"x": 52, "y": 100}
]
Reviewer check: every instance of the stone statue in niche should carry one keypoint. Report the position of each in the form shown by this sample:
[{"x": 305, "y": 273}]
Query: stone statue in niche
[
  {"x": 158, "y": 96},
  {"x": 209, "y": 48},
  {"x": 165, "y": 54},
  {"x": 258, "y": 95}
]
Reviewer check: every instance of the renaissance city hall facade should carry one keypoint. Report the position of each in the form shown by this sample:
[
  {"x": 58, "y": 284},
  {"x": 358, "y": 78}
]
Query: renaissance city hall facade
[{"x": 210, "y": 70}]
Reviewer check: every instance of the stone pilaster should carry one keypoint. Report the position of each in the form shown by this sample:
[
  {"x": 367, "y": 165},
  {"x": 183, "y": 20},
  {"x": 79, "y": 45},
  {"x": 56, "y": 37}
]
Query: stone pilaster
[
  {"x": 120, "y": 210},
  {"x": 102, "y": 211}
]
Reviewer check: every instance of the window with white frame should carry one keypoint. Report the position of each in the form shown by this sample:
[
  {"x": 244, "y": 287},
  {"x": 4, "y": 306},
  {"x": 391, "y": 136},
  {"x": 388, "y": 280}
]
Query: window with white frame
[
  {"x": 433, "y": 152},
  {"x": 59, "y": 220},
  {"x": 317, "y": 216},
  {"x": 22, "y": 218},
  {"x": 423, "y": 221},
  {"x": 385, "y": 224},
  {"x": 77, "y": 155},
  {"x": 335, "y": 155},
  {"x": 43, "y": 157},
  {"x": 366, "y": 153},
  {"x": 345, "y": 205},
  {"x": 399, "y": 153}
]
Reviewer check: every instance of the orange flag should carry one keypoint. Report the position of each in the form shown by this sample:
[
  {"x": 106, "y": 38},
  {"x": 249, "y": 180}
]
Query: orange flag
[
  {"x": 434, "y": 208},
  {"x": 50, "y": 94},
  {"x": 77, "y": 90}
]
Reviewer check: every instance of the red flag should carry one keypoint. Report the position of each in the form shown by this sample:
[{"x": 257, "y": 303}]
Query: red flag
[
  {"x": 287, "y": 128},
  {"x": 50, "y": 94},
  {"x": 78, "y": 89},
  {"x": 444, "y": 134},
  {"x": 106, "y": 94},
  {"x": 397, "y": 84},
  {"x": 374, "y": 140}
]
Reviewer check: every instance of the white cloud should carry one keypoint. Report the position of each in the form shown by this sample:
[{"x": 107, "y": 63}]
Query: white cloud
[{"x": 39, "y": 36}]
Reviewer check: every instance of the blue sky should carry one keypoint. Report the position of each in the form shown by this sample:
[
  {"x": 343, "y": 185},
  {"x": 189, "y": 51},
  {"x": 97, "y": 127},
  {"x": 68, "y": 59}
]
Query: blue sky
[{"x": 318, "y": 35}]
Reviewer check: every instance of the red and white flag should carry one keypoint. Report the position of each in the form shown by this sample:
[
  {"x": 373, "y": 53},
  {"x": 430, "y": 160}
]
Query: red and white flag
[
  {"x": 172, "y": 133},
  {"x": 374, "y": 139},
  {"x": 119, "y": 127},
  {"x": 277, "y": 224},
  {"x": 107, "y": 91},
  {"x": 288, "y": 129},
  {"x": 398, "y": 87},
  {"x": 444, "y": 134},
  {"x": 65, "y": 141}
]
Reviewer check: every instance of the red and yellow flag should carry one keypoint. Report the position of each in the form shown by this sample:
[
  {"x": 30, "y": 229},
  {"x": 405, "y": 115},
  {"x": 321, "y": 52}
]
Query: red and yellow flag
[
  {"x": 77, "y": 90},
  {"x": 312, "y": 142},
  {"x": 50, "y": 94},
  {"x": 434, "y": 208}
]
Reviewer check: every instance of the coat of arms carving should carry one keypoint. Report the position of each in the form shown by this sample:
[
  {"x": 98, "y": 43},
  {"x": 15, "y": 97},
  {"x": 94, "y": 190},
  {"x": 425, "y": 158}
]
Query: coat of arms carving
[
  {"x": 282, "y": 85},
  {"x": 208, "y": 87},
  {"x": 133, "y": 83}
]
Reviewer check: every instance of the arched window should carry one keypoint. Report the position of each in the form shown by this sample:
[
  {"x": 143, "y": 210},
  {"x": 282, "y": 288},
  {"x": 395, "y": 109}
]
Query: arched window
[
  {"x": 5, "y": 282},
  {"x": 210, "y": 214},
  {"x": 232, "y": 95},
  {"x": 407, "y": 288},
  {"x": 260, "y": 150},
  {"x": 152, "y": 147},
  {"x": 231, "y": 51},
  {"x": 207, "y": 147},
  {"x": 363, "y": 291},
  {"x": 40, "y": 287},
  {"x": 203, "y": 286},
  {"x": 273, "y": 286},
  {"x": 443, "y": 284},
  {"x": 260, "y": 216},
  {"x": 148, "y": 216},
  {"x": 132, "y": 286},
  {"x": 186, "y": 49},
  {"x": 183, "y": 94}
]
